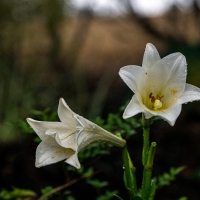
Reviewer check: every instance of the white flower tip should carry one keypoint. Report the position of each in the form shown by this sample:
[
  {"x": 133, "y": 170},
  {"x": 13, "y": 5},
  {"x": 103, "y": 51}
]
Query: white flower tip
[
  {"x": 29, "y": 120},
  {"x": 125, "y": 116},
  {"x": 78, "y": 167},
  {"x": 172, "y": 123},
  {"x": 180, "y": 57},
  {"x": 37, "y": 166},
  {"x": 73, "y": 161},
  {"x": 62, "y": 101},
  {"x": 183, "y": 58},
  {"x": 149, "y": 45}
]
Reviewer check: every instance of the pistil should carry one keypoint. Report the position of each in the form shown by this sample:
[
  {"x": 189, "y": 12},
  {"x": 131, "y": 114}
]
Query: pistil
[
  {"x": 157, "y": 104},
  {"x": 156, "y": 101}
]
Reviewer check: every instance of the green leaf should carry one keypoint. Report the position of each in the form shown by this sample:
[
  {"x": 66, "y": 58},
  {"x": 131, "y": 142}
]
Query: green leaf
[
  {"x": 183, "y": 198},
  {"x": 167, "y": 178},
  {"x": 17, "y": 194},
  {"x": 107, "y": 196},
  {"x": 117, "y": 196},
  {"x": 46, "y": 189},
  {"x": 97, "y": 183}
]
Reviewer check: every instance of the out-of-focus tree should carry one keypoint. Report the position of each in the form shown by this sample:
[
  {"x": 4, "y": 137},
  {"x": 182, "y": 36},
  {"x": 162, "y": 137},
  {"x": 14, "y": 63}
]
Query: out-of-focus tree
[
  {"x": 16, "y": 79},
  {"x": 30, "y": 72},
  {"x": 173, "y": 26}
]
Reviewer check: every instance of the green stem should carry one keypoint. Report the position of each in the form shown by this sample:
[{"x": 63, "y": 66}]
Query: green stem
[
  {"x": 127, "y": 170},
  {"x": 153, "y": 190},
  {"x": 130, "y": 172},
  {"x": 133, "y": 176},
  {"x": 146, "y": 128},
  {"x": 146, "y": 182}
]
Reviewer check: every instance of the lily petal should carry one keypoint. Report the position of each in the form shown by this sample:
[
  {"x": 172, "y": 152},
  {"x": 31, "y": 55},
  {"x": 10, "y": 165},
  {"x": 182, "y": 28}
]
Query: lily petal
[
  {"x": 41, "y": 127},
  {"x": 66, "y": 115},
  {"x": 131, "y": 74},
  {"x": 73, "y": 161},
  {"x": 170, "y": 115},
  {"x": 49, "y": 152},
  {"x": 89, "y": 132},
  {"x": 168, "y": 74},
  {"x": 191, "y": 93},
  {"x": 67, "y": 139},
  {"x": 148, "y": 114},
  {"x": 151, "y": 56},
  {"x": 133, "y": 108},
  {"x": 175, "y": 67}
]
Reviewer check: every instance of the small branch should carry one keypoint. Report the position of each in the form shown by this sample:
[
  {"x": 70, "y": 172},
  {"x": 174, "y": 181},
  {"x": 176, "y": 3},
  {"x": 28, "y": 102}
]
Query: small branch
[{"x": 67, "y": 184}]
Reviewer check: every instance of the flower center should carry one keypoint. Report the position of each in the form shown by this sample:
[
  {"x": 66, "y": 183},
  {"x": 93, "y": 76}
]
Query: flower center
[
  {"x": 157, "y": 104},
  {"x": 156, "y": 101}
]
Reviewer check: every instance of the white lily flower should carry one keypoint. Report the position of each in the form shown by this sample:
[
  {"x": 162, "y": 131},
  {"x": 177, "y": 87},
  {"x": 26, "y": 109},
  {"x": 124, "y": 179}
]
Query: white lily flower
[
  {"x": 159, "y": 85},
  {"x": 63, "y": 140}
]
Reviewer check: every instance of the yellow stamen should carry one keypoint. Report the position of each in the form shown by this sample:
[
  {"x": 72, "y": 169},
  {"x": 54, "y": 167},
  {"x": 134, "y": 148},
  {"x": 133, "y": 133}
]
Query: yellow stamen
[{"x": 157, "y": 104}]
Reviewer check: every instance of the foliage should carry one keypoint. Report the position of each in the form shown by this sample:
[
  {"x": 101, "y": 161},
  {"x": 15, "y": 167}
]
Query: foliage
[
  {"x": 17, "y": 194},
  {"x": 166, "y": 178},
  {"x": 115, "y": 124},
  {"x": 107, "y": 196}
]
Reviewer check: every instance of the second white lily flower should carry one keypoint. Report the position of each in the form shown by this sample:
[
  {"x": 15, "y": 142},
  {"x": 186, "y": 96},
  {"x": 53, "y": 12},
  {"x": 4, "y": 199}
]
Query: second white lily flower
[
  {"x": 159, "y": 85},
  {"x": 63, "y": 140}
]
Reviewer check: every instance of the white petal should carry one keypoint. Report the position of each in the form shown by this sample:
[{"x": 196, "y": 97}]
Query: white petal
[
  {"x": 174, "y": 73},
  {"x": 65, "y": 114},
  {"x": 150, "y": 56},
  {"x": 131, "y": 75},
  {"x": 132, "y": 108},
  {"x": 166, "y": 77},
  {"x": 73, "y": 161},
  {"x": 148, "y": 114},
  {"x": 41, "y": 127},
  {"x": 191, "y": 93},
  {"x": 67, "y": 139},
  {"x": 90, "y": 132},
  {"x": 49, "y": 152},
  {"x": 170, "y": 115}
]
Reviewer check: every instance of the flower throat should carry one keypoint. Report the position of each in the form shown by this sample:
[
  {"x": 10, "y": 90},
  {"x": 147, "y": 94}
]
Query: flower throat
[{"x": 157, "y": 103}]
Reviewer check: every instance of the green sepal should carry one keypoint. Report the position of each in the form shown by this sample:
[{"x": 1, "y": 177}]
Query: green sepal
[{"x": 125, "y": 181}]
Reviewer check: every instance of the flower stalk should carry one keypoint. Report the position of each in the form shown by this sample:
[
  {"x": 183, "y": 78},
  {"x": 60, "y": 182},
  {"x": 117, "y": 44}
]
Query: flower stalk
[
  {"x": 152, "y": 190},
  {"x": 128, "y": 176},
  {"x": 147, "y": 173},
  {"x": 146, "y": 129},
  {"x": 129, "y": 173}
]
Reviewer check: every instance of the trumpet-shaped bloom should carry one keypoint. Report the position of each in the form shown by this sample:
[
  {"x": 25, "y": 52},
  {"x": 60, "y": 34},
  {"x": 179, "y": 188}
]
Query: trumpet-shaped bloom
[
  {"x": 159, "y": 85},
  {"x": 63, "y": 140}
]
